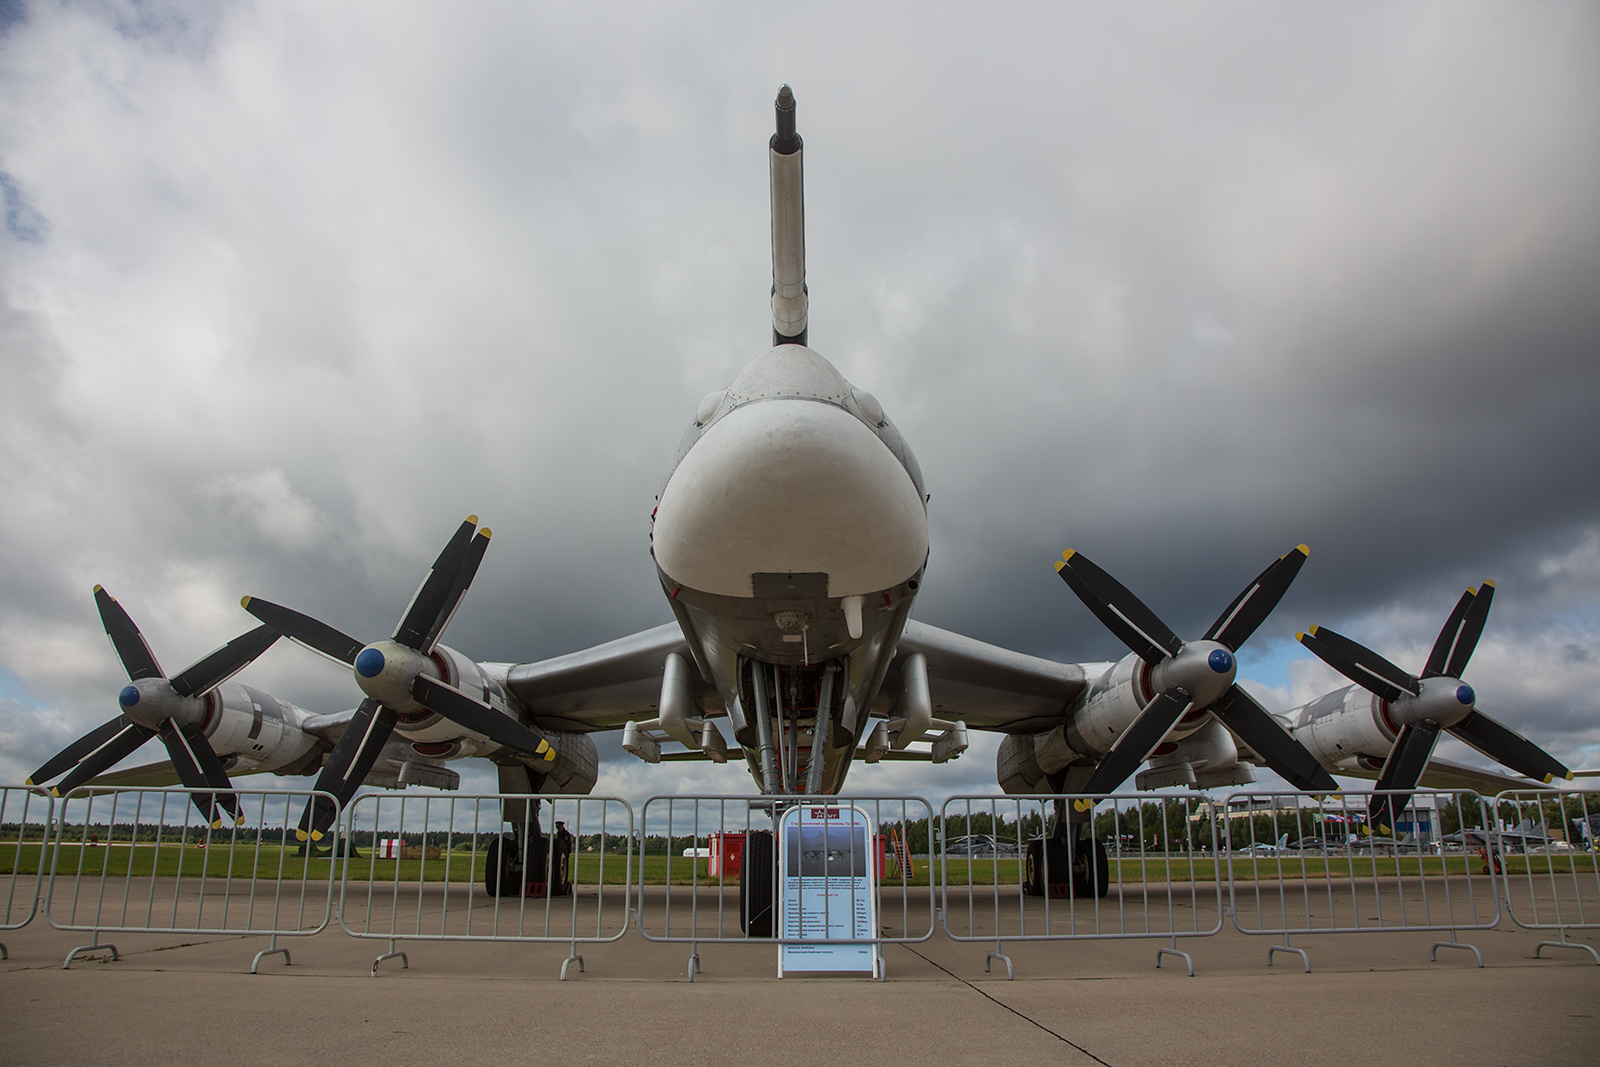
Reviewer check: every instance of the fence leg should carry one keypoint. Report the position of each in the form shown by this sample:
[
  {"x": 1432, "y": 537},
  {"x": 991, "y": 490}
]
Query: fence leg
[
  {"x": 4, "y": 955},
  {"x": 115, "y": 955},
  {"x": 569, "y": 960},
  {"x": 1174, "y": 951},
  {"x": 1286, "y": 947},
  {"x": 272, "y": 949},
  {"x": 1455, "y": 942},
  {"x": 879, "y": 971},
  {"x": 694, "y": 959},
  {"x": 1564, "y": 943},
  {"x": 405, "y": 962},
  {"x": 1011, "y": 972}
]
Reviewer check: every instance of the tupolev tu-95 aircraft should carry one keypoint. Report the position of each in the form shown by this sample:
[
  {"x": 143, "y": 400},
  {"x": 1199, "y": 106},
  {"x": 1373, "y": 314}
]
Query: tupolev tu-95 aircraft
[{"x": 790, "y": 537}]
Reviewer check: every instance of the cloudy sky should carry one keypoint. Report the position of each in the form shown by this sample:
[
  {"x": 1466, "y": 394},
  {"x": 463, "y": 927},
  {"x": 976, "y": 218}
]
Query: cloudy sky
[{"x": 288, "y": 289}]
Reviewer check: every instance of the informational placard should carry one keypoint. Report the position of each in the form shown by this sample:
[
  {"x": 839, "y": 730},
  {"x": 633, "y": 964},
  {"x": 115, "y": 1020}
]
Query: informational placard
[{"x": 828, "y": 891}]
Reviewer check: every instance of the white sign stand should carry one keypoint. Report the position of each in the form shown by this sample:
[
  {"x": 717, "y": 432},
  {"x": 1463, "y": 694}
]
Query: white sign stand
[{"x": 828, "y": 891}]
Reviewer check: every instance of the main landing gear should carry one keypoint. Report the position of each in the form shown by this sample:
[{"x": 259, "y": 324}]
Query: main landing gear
[{"x": 526, "y": 862}]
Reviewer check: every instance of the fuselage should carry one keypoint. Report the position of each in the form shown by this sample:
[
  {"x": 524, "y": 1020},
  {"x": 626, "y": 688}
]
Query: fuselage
[{"x": 790, "y": 534}]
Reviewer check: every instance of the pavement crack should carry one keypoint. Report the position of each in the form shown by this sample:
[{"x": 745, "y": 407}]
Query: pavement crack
[{"x": 995, "y": 1000}]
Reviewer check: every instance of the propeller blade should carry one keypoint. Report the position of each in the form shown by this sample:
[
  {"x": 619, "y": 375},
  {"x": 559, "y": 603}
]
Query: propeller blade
[
  {"x": 1251, "y": 607},
  {"x": 68, "y": 757},
  {"x": 1504, "y": 745},
  {"x": 1255, "y": 726},
  {"x": 211, "y": 671},
  {"x": 1359, "y": 664},
  {"x": 1135, "y": 744},
  {"x": 132, "y": 649},
  {"x": 198, "y": 768},
  {"x": 1446, "y": 640},
  {"x": 469, "y": 570},
  {"x": 432, "y": 602},
  {"x": 462, "y": 710},
  {"x": 108, "y": 755},
  {"x": 358, "y": 749},
  {"x": 304, "y": 630},
  {"x": 1466, "y": 641},
  {"x": 1401, "y": 771},
  {"x": 1121, "y": 612}
]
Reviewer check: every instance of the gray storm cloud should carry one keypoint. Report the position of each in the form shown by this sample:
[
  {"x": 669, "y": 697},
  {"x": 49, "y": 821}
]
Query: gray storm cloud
[{"x": 292, "y": 289}]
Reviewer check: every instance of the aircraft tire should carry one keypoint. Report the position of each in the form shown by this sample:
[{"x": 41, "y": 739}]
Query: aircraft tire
[
  {"x": 1101, "y": 872},
  {"x": 756, "y": 870},
  {"x": 499, "y": 880}
]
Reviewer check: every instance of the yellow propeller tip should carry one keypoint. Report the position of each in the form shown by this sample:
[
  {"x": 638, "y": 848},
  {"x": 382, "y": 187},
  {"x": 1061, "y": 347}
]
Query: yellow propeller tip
[
  {"x": 1061, "y": 565},
  {"x": 244, "y": 602},
  {"x": 1569, "y": 776},
  {"x": 1299, "y": 636},
  {"x": 1083, "y": 805},
  {"x": 1068, "y": 554},
  {"x": 99, "y": 588},
  {"x": 473, "y": 519},
  {"x": 1489, "y": 582},
  {"x": 55, "y": 792},
  {"x": 300, "y": 835},
  {"x": 486, "y": 533},
  {"x": 27, "y": 781},
  {"x": 1313, "y": 630},
  {"x": 550, "y": 756},
  {"x": 1304, "y": 550},
  {"x": 316, "y": 835}
]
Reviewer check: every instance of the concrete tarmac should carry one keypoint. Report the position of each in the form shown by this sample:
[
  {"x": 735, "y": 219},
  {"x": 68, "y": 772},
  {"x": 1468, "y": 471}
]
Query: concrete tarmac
[{"x": 1371, "y": 998}]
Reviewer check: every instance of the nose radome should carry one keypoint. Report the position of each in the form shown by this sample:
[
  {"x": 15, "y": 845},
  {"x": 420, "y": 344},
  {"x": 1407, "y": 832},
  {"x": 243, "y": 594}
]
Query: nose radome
[{"x": 790, "y": 486}]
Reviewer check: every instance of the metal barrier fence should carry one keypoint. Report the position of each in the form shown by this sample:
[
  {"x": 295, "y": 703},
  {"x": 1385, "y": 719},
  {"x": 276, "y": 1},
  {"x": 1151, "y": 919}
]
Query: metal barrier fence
[
  {"x": 444, "y": 868},
  {"x": 130, "y": 860},
  {"x": 1549, "y": 864},
  {"x": 1295, "y": 868},
  {"x": 1072, "y": 868},
  {"x": 24, "y": 854},
  {"x": 718, "y": 869}
]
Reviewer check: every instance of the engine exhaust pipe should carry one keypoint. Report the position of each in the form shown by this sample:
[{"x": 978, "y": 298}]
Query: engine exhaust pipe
[{"x": 789, "y": 301}]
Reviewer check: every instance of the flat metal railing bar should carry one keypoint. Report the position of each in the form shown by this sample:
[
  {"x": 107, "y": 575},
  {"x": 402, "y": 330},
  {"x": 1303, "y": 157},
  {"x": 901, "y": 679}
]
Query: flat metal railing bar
[
  {"x": 1153, "y": 844},
  {"x": 104, "y": 887},
  {"x": 425, "y": 875},
  {"x": 1546, "y": 851},
  {"x": 1343, "y": 880}
]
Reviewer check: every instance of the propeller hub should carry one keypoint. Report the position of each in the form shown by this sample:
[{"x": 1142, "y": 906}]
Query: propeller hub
[
  {"x": 385, "y": 670},
  {"x": 151, "y": 701},
  {"x": 1203, "y": 669},
  {"x": 1446, "y": 701}
]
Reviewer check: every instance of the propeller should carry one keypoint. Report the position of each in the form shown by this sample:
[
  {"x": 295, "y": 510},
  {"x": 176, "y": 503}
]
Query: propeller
[
  {"x": 1422, "y": 706},
  {"x": 1193, "y": 675},
  {"x": 398, "y": 676},
  {"x": 152, "y": 705}
]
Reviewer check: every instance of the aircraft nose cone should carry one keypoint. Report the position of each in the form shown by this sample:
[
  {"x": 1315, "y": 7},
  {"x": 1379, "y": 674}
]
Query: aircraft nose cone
[
  {"x": 790, "y": 486},
  {"x": 369, "y": 664},
  {"x": 129, "y": 696},
  {"x": 1220, "y": 660},
  {"x": 1465, "y": 695}
]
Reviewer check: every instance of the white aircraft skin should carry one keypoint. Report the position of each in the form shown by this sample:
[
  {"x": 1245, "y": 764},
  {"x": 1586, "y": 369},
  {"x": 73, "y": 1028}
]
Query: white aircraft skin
[{"x": 790, "y": 538}]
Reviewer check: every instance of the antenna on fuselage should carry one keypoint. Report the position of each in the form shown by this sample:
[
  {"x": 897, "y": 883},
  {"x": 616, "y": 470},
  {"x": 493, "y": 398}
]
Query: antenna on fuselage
[{"x": 788, "y": 228}]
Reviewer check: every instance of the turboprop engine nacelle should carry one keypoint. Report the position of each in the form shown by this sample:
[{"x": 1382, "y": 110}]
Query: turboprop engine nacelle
[
  {"x": 1206, "y": 759},
  {"x": 1346, "y": 724},
  {"x": 1113, "y": 703}
]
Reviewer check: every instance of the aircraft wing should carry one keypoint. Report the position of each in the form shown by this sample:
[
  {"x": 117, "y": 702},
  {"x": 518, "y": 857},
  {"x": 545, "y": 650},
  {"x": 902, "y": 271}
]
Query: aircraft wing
[
  {"x": 985, "y": 686},
  {"x": 988, "y": 687},
  {"x": 150, "y": 776},
  {"x": 1443, "y": 774},
  {"x": 601, "y": 688}
]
